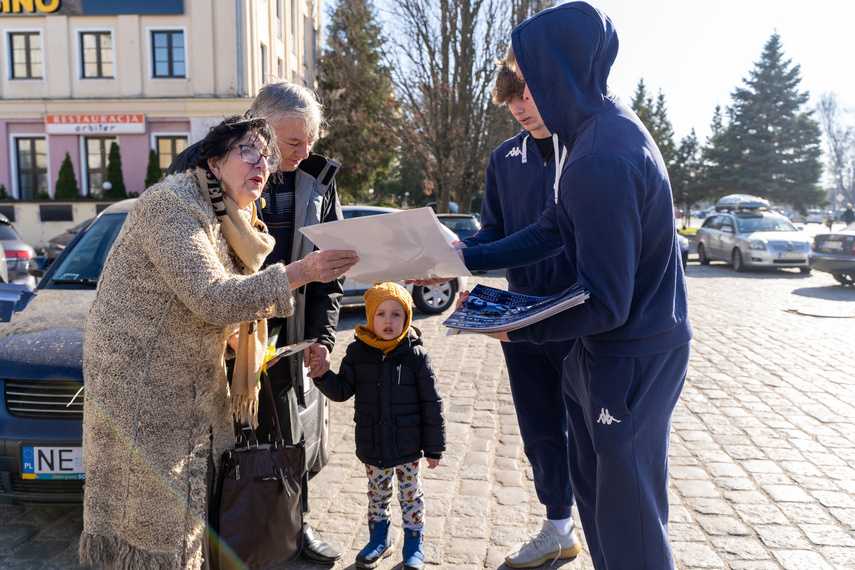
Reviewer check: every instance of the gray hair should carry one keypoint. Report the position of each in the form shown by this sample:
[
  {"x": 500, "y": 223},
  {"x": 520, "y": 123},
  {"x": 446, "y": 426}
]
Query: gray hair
[{"x": 290, "y": 99}]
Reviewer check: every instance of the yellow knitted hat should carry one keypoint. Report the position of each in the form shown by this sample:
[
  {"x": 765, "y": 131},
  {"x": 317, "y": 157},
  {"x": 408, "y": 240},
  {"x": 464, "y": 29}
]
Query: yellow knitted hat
[{"x": 373, "y": 297}]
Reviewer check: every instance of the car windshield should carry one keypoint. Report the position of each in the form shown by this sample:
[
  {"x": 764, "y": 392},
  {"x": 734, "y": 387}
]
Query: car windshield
[
  {"x": 6, "y": 232},
  {"x": 764, "y": 224},
  {"x": 461, "y": 224},
  {"x": 83, "y": 262}
]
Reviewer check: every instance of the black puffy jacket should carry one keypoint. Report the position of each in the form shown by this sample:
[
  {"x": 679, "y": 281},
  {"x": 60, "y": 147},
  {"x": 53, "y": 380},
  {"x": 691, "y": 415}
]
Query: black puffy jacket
[{"x": 398, "y": 409}]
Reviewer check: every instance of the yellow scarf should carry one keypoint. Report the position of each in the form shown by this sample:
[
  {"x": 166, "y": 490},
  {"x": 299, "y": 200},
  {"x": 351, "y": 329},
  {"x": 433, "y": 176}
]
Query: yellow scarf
[{"x": 250, "y": 245}]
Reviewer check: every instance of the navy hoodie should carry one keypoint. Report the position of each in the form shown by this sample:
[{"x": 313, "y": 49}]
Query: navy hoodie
[
  {"x": 614, "y": 213},
  {"x": 517, "y": 191}
]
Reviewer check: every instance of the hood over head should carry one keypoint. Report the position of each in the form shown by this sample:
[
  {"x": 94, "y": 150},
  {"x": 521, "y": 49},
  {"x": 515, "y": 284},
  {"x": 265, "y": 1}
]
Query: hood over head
[{"x": 565, "y": 54}]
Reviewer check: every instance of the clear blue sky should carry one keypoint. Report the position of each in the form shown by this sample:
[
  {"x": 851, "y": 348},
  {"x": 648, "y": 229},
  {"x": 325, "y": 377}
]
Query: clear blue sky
[{"x": 697, "y": 52}]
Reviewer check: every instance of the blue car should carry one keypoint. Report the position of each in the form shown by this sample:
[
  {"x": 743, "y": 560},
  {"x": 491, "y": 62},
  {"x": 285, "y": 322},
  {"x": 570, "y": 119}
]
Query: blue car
[{"x": 41, "y": 374}]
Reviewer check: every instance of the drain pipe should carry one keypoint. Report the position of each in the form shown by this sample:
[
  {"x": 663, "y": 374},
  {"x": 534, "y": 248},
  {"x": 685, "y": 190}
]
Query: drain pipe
[{"x": 239, "y": 49}]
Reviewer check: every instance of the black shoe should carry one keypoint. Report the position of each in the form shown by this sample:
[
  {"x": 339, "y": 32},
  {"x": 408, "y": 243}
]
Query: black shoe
[{"x": 315, "y": 549}]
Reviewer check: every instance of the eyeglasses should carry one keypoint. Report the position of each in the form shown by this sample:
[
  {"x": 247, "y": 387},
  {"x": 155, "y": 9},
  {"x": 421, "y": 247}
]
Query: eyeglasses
[{"x": 252, "y": 155}]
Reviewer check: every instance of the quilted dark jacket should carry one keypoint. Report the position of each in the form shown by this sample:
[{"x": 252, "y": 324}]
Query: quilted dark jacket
[{"x": 398, "y": 409}]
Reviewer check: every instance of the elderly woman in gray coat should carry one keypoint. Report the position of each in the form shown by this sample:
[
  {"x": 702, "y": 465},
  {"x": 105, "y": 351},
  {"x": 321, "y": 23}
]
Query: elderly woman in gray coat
[{"x": 181, "y": 288}]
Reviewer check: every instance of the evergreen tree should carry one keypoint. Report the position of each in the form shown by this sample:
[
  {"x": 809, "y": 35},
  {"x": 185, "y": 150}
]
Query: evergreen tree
[
  {"x": 153, "y": 174},
  {"x": 3, "y": 194},
  {"x": 66, "y": 183},
  {"x": 654, "y": 116},
  {"x": 685, "y": 175},
  {"x": 770, "y": 146},
  {"x": 358, "y": 93},
  {"x": 114, "y": 174}
]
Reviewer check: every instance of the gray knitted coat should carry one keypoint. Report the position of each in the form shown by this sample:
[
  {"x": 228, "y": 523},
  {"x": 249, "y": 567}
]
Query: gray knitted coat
[{"x": 157, "y": 403}]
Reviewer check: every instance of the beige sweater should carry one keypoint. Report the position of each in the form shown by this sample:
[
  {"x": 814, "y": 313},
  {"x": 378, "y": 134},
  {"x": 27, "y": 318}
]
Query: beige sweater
[{"x": 157, "y": 403}]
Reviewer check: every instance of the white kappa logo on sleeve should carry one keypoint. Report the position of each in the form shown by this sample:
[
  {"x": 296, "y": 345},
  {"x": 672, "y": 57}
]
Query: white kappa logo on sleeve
[{"x": 514, "y": 152}]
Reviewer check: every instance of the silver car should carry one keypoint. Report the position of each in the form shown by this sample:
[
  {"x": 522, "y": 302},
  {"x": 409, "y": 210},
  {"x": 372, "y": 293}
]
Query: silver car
[{"x": 753, "y": 238}]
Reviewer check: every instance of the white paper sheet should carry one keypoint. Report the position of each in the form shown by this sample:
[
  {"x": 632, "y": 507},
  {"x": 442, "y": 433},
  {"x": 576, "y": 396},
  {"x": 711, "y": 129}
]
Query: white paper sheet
[{"x": 392, "y": 247}]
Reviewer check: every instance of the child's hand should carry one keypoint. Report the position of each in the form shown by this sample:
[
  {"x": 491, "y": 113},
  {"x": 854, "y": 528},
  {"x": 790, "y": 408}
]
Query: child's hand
[{"x": 432, "y": 462}]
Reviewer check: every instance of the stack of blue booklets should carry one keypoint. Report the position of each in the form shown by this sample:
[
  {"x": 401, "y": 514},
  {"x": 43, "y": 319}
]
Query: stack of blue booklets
[{"x": 490, "y": 310}]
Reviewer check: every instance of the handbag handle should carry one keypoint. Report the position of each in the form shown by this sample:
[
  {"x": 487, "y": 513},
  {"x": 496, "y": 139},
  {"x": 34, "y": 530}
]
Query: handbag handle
[{"x": 268, "y": 392}]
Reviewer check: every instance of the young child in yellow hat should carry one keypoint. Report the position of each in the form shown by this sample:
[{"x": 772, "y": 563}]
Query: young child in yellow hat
[{"x": 398, "y": 417}]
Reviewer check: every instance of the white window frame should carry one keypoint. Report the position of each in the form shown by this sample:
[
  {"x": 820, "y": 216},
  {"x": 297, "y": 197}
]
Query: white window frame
[
  {"x": 150, "y": 49},
  {"x": 9, "y": 64},
  {"x": 79, "y": 33},
  {"x": 13, "y": 160}
]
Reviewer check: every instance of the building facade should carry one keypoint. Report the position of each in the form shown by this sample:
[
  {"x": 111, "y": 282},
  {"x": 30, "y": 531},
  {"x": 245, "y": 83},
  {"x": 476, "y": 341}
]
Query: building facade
[{"x": 79, "y": 75}]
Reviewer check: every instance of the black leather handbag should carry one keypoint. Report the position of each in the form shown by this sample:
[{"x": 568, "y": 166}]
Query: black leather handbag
[{"x": 258, "y": 512}]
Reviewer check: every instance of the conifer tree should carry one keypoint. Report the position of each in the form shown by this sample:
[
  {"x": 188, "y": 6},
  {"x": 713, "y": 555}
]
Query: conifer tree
[
  {"x": 770, "y": 145},
  {"x": 66, "y": 182},
  {"x": 357, "y": 91},
  {"x": 153, "y": 173},
  {"x": 114, "y": 174}
]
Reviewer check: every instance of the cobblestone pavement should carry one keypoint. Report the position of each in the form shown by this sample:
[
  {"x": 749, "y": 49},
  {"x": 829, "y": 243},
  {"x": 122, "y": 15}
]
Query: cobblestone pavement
[{"x": 762, "y": 445}]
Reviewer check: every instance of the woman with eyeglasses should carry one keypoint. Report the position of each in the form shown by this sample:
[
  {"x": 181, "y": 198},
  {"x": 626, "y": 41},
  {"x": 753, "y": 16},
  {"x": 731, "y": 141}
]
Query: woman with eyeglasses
[{"x": 181, "y": 291}]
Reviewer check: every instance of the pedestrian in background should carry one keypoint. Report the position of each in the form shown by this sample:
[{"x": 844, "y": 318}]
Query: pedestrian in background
[{"x": 398, "y": 414}]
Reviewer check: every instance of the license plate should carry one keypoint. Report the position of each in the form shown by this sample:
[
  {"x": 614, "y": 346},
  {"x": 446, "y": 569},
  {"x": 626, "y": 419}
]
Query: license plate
[
  {"x": 791, "y": 255},
  {"x": 52, "y": 462},
  {"x": 832, "y": 245}
]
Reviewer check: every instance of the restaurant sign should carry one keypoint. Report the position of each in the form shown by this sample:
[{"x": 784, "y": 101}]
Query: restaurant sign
[{"x": 94, "y": 124}]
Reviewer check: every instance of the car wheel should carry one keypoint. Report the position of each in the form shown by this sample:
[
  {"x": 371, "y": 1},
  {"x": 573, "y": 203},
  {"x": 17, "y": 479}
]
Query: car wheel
[
  {"x": 844, "y": 279},
  {"x": 435, "y": 299},
  {"x": 324, "y": 445},
  {"x": 805, "y": 270},
  {"x": 738, "y": 262},
  {"x": 702, "y": 255}
]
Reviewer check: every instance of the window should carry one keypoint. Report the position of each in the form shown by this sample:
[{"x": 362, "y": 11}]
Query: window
[
  {"x": 168, "y": 55},
  {"x": 280, "y": 23},
  {"x": 264, "y": 71},
  {"x": 31, "y": 153},
  {"x": 97, "y": 151},
  {"x": 280, "y": 68},
  {"x": 96, "y": 52},
  {"x": 167, "y": 149},
  {"x": 294, "y": 26},
  {"x": 26, "y": 51}
]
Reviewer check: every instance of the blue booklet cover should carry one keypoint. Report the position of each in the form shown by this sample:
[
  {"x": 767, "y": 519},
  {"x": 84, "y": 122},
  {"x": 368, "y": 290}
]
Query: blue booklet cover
[{"x": 490, "y": 310}]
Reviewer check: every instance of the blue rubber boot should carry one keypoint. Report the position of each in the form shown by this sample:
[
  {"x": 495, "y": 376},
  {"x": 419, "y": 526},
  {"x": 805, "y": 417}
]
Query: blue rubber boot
[
  {"x": 414, "y": 549},
  {"x": 379, "y": 545}
]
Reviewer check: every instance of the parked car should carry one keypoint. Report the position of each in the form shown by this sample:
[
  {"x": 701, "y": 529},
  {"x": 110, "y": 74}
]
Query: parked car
[
  {"x": 17, "y": 254},
  {"x": 749, "y": 236},
  {"x": 4, "y": 270},
  {"x": 814, "y": 216},
  {"x": 431, "y": 300},
  {"x": 41, "y": 354},
  {"x": 464, "y": 225},
  {"x": 55, "y": 245},
  {"x": 834, "y": 253}
]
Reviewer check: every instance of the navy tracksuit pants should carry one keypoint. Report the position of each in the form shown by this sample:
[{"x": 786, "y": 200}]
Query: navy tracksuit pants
[
  {"x": 535, "y": 373},
  {"x": 620, "y": 419}
]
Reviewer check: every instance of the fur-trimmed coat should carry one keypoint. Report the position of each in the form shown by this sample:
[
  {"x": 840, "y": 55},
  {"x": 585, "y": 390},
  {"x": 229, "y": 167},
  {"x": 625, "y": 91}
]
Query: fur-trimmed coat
[{"x": 156, "y": 404}]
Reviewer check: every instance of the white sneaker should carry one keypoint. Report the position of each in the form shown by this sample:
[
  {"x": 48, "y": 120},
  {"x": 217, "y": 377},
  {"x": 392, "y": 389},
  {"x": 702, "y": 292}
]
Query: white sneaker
[{"x": 545, "y": 545}]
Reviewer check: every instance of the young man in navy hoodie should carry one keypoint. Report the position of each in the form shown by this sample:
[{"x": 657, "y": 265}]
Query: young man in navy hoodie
[
  {"x": 518, "y": 188},
  {"x": 612, "y": 214}
]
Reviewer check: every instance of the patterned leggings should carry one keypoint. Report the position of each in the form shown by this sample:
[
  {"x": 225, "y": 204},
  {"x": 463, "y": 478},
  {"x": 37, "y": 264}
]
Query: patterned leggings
[{"x": 410, "y": 493}]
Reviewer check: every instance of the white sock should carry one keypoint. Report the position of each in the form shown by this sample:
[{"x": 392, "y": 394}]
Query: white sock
[{"x": 562, "y": 526}]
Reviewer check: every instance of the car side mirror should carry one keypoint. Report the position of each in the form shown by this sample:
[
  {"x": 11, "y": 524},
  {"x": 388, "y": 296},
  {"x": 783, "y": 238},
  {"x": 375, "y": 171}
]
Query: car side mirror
[
  {"x": 727, "y": 229},
  {"x": 41, "y": 266}
]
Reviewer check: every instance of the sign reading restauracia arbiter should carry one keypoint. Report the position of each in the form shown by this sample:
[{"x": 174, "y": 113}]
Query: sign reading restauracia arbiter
[{"x": 96, "y": 123}]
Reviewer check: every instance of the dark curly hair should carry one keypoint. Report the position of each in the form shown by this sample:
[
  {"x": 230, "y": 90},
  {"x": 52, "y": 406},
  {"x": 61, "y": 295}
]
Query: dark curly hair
[{"x": 221, "y": 138}]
